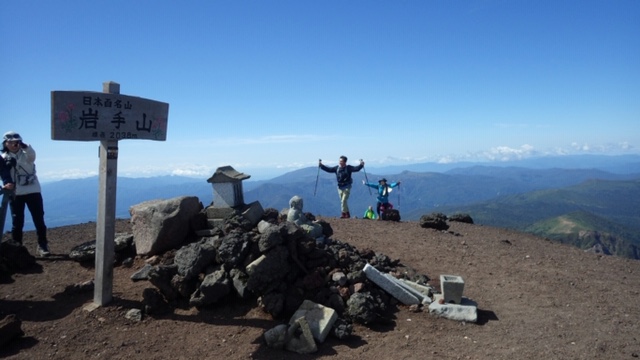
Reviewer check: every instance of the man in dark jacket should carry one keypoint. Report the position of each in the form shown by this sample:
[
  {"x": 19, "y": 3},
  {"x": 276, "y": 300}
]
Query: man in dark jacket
[{"x": 343, "y": 175}]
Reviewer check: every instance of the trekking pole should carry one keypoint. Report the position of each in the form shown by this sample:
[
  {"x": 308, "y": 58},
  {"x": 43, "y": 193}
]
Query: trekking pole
[
  {"x": 317, "y": 176},
  {"x": 366, "y": 178},
  {"x": 6, "y": 196}
]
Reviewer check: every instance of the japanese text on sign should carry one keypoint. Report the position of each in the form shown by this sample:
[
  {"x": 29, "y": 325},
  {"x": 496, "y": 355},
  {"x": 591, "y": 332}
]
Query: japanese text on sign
[{"x": 81, "y": 115}]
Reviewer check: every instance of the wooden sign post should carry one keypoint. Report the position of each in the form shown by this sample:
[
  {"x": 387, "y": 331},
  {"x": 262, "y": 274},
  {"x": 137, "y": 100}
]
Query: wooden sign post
[{"x": 107, "y": 117}]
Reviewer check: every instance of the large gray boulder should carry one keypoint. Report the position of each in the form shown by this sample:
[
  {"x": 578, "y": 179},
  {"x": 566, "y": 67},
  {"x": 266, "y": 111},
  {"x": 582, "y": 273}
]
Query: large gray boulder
[{"x": 161, "y": 225}]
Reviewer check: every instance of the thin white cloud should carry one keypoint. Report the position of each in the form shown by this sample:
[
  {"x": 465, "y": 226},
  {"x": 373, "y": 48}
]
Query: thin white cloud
[
  {"x": 447, "y": 159},
  {"x": 580, "y": 147},
  {"x": 616, "y": 148},
  {"x": 625, "y": 146},
  {"x": 193, "y": 171},
  {"x": 505, "y": 153},
  {"x": 48, "y": 176}
]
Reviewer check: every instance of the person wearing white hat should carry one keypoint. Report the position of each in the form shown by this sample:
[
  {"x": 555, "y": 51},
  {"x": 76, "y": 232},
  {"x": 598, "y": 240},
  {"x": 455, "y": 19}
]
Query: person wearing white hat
[{"x": 21, "y": 157}]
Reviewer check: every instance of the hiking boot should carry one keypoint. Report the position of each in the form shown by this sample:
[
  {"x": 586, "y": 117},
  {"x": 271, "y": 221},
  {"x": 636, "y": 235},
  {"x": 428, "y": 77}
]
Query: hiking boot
[
  {"x": 343, "y": 215},
  {"x": 43, "y": 251},
  {"x": 347, "y": 215}
]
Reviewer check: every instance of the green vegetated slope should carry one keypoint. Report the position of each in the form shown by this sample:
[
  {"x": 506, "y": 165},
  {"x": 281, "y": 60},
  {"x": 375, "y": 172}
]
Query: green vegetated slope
[
  {"x": 588, "y": 231},
  {"x": 595, "y": 212}
]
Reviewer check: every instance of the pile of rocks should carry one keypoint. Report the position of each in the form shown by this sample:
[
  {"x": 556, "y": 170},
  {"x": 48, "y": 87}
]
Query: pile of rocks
[
  {"x": 279, "y": 264},
  {"x": 269, "y": 259},
  {"x": 194, "y": 260}
]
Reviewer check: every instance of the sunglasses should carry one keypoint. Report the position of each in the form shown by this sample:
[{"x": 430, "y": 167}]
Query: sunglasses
[{"x": 13, "y": 136}]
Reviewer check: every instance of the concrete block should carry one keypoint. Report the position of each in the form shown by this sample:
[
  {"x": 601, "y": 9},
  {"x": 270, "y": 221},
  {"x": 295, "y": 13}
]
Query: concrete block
[
  {"x": 452, "y": 287},
  {"x": 319, "y": 317},
  {"x": 218, "y": 213},
  {"x": 467, "y": 310},
  {"x": 390, "y": 285},
  {"x": 253, "y": 212}
]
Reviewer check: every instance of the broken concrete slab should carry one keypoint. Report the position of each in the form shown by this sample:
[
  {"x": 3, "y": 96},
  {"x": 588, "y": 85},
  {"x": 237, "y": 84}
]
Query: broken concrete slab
[
  {"x": 467, "y": 310},
  {"x": 320, "y": 318},
  {"x": 390, "y": 285},
  {"x": 422, "y": 292}
]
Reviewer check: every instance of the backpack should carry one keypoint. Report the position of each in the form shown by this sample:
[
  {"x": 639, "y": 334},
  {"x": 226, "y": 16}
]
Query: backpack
[
  {"x": 387, "y": 212},
  {"x": 384, "y": 207}
]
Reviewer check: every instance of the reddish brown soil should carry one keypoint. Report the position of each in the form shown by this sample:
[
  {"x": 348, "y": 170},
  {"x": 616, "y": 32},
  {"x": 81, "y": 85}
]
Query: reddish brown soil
[{"x": 536, "y": 300}]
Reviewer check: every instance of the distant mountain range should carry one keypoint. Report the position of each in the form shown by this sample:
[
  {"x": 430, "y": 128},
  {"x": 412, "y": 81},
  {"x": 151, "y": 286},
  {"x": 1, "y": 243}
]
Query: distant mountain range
[{"x": 596, "y": 194}]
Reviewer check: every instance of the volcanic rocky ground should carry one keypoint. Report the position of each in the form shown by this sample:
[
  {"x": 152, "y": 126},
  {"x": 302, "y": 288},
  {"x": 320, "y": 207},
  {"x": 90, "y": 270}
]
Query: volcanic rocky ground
[{"x": 536, "y": 299}]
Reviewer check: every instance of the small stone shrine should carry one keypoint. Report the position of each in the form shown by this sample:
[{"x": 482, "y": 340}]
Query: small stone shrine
[
  {"x": 227, "y": 187},
  {"x": 228, "y": 197}
]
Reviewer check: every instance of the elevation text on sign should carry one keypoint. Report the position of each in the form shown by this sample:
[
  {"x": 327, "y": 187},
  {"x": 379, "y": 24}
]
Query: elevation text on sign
[{"x": 90, "y": 116}]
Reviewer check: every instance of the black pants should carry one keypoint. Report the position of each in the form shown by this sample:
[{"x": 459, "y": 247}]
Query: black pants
[
  {"x": 36, "y": 208},
  {"x": 381, "y": 207}
]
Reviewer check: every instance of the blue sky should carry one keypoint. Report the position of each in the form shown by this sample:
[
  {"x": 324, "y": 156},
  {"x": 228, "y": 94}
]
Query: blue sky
[{"x": 272, "y": 86}]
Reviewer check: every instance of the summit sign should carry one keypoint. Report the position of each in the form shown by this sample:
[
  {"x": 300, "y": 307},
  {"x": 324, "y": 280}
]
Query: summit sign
[
  {"x": 99, "y": 116},
  {"x": 107, "y": 117}
]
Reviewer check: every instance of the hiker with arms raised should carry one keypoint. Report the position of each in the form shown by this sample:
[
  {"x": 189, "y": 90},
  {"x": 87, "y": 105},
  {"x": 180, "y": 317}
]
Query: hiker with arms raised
[
  {"x": 343, "y": 175},
  {"x": 383, "y": 194}
]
